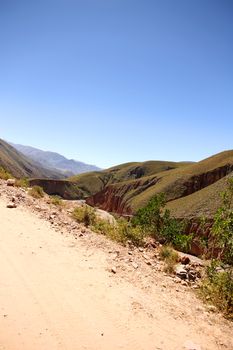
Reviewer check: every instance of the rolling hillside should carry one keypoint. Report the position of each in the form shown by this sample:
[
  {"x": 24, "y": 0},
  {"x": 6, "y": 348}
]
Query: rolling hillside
[
  {"x": 128, "y": 187},
  {"x": 191, "y": 189},
  {"x": 92, "y": 183},
  {"x": 20, "y": 166}
]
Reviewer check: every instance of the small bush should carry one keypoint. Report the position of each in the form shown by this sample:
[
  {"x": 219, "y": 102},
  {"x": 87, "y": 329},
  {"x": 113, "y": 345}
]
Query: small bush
[
  {"x": 217, "y": 287},
  {"x": 170, "y": 256},
  {"x": 85, "y": 215},
  {"x": 4, "y": 175},
  {"x": 22, "y": 183},
  {"x": 36, "y": 192},
  {"x": 158, "y": 222},
  {"x": 56, "y": 200},
  {"x": 109, "y": 230},
  {"x": 222, "y": 229}
]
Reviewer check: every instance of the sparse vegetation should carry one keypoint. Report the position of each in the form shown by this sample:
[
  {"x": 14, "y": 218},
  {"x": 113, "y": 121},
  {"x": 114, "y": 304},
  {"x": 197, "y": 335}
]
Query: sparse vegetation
[
  {"x": 24, "y": 182},
  {"x": 56, "y": 200},
  {"x": 36, "y": 192},
  {"x": 217, "y": 286},
  {"x": 4, "y": 175},
  {"x": 170, "y": 256},
  {"x": 121, "y": 232},
  {"x": 85, "y": 215}
]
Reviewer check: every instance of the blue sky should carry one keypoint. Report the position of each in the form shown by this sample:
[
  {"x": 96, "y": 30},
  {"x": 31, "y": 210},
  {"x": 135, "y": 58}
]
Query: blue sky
[{"x": 112, "y": 81}]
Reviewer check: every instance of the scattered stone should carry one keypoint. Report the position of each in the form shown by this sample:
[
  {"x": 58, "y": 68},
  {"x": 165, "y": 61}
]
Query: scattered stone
[
  {"x": 148, "y": 262},
  {"x": 129, "y": 252},
  {"x": 184, "y": 283},
  {"x": 10, "y": 182},
  {"x": 135, "y": 265},
  {"x": 192, "y": 275},
  {"x": 181, "y": 272},
  {"x": 11, "y": 205},
  {"x": 146, "y": 257},
  {"x": 211, "y": 308},
  {"x": 185, "y": 260},
  {"x": 141, "y": 249},
  {"x": 113, "y": 269},
  {"x": 195, "y": 286}
]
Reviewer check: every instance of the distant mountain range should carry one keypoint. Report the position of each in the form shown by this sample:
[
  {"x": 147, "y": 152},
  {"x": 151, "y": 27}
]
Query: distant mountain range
[
  {"x": 55, "y": 161},
  {"x": 21, "y": 166}
]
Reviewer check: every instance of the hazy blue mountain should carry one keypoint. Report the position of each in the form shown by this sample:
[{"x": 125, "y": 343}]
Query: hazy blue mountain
[
  {"x": 53, "y": 160},
  {"x": 20, "y": 165}
]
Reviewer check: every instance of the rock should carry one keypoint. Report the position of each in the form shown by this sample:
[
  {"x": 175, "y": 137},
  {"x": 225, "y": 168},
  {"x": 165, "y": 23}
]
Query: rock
[
  {"x": 184, "y": 283},
  {"x": 11, "y": 205},
  {"x": 148, "y": 262},
  {"x": 146, "y": 257},
  {"x": 135, "y": 265},
  {"x": 181, "y": 272},
  {"x": 113, "y": 269},
  {"x": 211, "y": 308},
  {"x": 10, "y": 182},
  {"x": 185, "y": 260},
  {"x": 141, "y": 249},
  {"x": 192, "y": 275},
  {"x": 189, "y": 345}
]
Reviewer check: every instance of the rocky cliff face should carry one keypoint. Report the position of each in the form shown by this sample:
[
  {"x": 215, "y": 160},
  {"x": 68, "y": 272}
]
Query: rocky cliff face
[
  {"x": 62, "y": 188},
  {"x": 196, "y": 183},
  {"x": 113, "y": 198}
]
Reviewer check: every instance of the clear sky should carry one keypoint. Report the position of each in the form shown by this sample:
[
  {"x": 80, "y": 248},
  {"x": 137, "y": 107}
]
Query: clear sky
[{"x": 111, "y": 81}]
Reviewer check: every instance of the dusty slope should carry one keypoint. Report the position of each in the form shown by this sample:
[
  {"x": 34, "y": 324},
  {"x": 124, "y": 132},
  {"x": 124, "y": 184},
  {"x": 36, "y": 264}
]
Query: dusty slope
[{"x": 57, "y": 292}]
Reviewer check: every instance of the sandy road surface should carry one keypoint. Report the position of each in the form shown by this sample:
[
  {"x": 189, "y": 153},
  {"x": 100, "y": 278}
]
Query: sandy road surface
[{"x": 57, "y": 295}]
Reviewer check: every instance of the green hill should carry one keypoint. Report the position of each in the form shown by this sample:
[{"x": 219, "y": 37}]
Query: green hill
[
  {"x": 190, "y": 188},
  {"x": 94, "y": 182}
]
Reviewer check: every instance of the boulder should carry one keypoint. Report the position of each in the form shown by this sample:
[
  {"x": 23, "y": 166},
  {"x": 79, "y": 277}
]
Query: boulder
[
  {"x": 181, "y": 272},
  {"x": 11, "y": 205},
  {"x": 10, "y": 182}
]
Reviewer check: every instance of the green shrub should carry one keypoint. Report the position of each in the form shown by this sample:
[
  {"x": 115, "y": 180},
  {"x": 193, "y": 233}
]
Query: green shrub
[
  {"x": 36, "y": 192},
  {"x": 156, "y": 221},
  {"x": 222, "y": 229},
  {"x": 217, "y": 287},
  {"x": 4, "y": 175},
  {"x": 150, "y": 217},
  {"x": 85, "y": 215}
]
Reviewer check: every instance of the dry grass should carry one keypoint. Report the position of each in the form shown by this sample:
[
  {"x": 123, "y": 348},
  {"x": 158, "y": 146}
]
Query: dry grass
[{"x": 36, "y": 192}]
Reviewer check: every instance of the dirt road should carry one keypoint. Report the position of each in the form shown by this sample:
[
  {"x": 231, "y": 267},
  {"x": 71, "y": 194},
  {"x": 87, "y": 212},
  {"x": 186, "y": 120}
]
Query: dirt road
[{"x": 57, "y": 293}]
